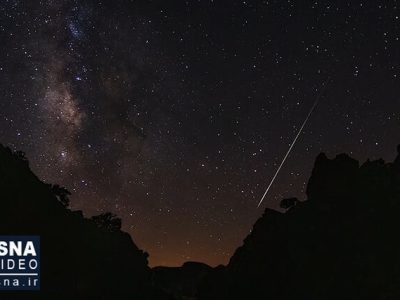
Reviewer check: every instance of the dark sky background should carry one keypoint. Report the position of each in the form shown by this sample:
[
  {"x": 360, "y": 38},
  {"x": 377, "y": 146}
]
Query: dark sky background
[{"x": 175, "y": 115}]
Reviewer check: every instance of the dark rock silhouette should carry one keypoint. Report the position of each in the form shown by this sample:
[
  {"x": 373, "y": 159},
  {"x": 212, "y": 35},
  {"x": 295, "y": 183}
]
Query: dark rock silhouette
[
  {"x": 397, "y": 160},
  {"x": 80, "y": 258},
  {"x": 342, "y": 243},
  {"x": 180, "y": 282}
]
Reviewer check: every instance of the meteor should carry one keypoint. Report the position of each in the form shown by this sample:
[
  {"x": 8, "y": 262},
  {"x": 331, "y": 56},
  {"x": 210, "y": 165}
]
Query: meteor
[{"x": 294, "y": 141}]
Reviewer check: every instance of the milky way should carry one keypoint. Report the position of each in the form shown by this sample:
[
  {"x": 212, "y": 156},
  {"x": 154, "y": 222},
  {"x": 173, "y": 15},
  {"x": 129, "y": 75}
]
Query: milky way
[{"x": 171, "y": 115}]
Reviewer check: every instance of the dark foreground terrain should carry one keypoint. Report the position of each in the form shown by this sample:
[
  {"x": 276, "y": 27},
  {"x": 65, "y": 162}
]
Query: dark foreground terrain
[
  {"x": 342, "y": 243},
  {"x": 81, "y": 258}
]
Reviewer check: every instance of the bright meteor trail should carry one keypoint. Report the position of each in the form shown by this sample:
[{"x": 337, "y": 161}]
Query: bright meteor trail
[{"x": 294, "y": 142}]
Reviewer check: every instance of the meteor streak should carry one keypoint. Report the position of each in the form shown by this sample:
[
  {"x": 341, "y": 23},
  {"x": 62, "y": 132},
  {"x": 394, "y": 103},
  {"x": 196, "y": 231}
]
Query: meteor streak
[{"x": 294, "y": 141}]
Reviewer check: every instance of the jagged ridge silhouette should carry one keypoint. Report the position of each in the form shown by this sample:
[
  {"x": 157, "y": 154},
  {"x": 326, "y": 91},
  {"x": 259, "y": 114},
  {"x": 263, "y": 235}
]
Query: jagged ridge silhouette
[
  {"x": 81, "y": 258},
  {"x": 342, "y": 243}
]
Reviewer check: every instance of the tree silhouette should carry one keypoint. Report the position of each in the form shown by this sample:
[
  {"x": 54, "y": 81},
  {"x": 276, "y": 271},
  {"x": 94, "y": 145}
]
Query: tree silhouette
[
  {"x": 288, "y": 203},
  {"x": 61, "y": 193},
  {"x": 107, "y": 221}
]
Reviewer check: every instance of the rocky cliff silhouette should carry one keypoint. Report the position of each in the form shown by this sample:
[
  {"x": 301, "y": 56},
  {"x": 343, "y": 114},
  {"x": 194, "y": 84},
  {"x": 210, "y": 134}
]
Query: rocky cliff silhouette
[
  {"x": 342, "y": 243},
  {"x": 81, "y": 258}
]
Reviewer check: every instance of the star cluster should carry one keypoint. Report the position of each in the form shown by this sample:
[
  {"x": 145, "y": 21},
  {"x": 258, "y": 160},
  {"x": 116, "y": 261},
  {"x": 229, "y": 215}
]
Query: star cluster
[{"x": 175, "y": 115}]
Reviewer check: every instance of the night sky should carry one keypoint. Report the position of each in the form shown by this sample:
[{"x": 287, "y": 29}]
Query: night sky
[{"x": 174, "y": 115}]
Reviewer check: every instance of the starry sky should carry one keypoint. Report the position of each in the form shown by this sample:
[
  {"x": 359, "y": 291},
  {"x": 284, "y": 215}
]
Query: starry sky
[{"x": 174, "y": 115}]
